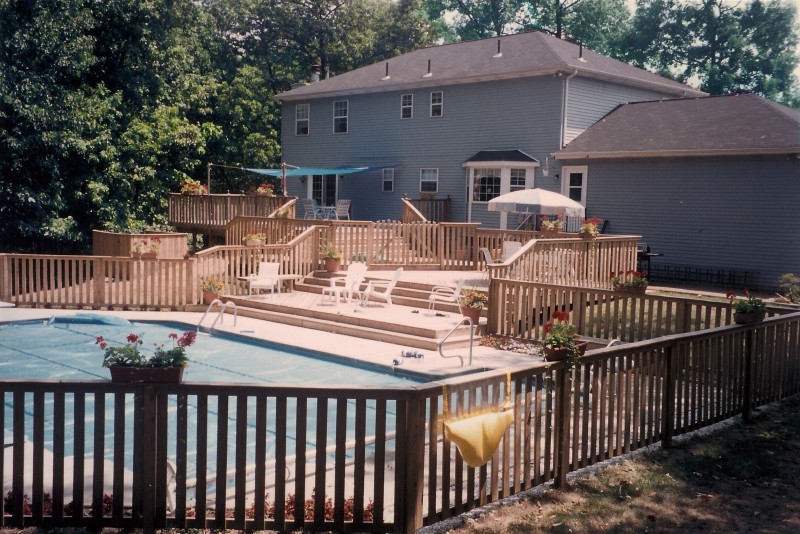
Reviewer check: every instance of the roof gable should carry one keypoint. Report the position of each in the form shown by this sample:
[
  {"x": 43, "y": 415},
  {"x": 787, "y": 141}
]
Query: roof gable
[
  {"x": 520, "y": 55},
  {"x": 737, "y": 124}
]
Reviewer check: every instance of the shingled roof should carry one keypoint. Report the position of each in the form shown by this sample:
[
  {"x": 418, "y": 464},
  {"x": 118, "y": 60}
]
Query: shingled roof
[
  {"x": 719, "y": 125},
  {"x": 520, "y": 55}
]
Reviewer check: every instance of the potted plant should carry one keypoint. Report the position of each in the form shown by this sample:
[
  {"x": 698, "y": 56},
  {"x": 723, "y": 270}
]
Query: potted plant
[
  {"x": 146, "y": 249},
  {"x": 332, "y": 257},
  {"x": 190, "y": 186},
  {"x": 212, "y": 288},
  {"x": 590, "y": 228},
  {"x": 549, "y": 227},
  {"x": 471, "y": 303},
  {"x": 254, "y": 238},
  {"x": 747, "y": 310},
  {"x": 127, "y": 363},
  {"x": 630, "y": 282},
  {"x": 561, "y": 341},
  {"x": 265, "y": 189},
  {"x": 281, "y": 213}
]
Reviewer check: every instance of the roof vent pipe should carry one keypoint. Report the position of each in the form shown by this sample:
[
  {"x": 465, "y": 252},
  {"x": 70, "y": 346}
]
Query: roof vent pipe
[
  {"x": 580, "y": 51},
  {"x": 386, "y": 77},
  {"x": 315, "y": 70},
  {"x": 499, "y": 53},
  {"x": 429, "y": 73}
]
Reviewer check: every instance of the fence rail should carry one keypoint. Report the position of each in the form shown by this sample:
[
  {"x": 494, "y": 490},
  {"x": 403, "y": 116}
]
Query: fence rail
[
  {"x": 172, "y": 246},
  {"x": 284, "y": 444},
  {"x": 210, "y": 213}
]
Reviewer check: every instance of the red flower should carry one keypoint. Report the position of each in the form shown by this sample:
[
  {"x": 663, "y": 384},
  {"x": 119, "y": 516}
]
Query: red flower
[
  {"x": 547, "y": 327},
  {"x": 99, "y": 340},
  {"x": 103, "y": 344},
  {"x": 187, "y": 339},
  {"x": 561, "y": 316},
  {"x": 173, "y": 336},
  {"x": 132, "y": 338}
]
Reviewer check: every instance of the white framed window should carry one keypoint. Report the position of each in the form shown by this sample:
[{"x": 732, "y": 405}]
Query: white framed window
[
  {"x": 388, "y": 180},
  {"x": 573, "y": 182},
  {"x": 437, "y": 103},
  {"x": 340, "y": 116},
  {"x": 302, "y": 119},
  {"x": 428, "y": 180},
  {"x": 485, "y": 185},
  {"x": 323, "y": 189},
  {"x": 406, "y": 106},
  {"x": 517, "y": 179}
]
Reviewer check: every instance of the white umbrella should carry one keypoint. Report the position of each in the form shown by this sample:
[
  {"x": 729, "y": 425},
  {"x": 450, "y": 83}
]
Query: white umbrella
[{"x": 538, "y": 201}]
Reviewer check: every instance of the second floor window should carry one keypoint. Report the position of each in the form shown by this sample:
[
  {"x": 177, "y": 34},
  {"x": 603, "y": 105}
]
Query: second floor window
[
  {"x": 428, "y": 180},
  {"x": 437, "y": 104},
  {"x": 388, "y": 180},
  {"x": 302, "y": 113},
  {"x": 340, "y": 116},
  {"x": 406, "y": 106}
]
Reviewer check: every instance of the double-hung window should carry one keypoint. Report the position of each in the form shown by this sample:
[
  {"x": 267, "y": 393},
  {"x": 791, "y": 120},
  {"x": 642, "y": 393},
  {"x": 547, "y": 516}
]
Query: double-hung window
[
  {"x": 406, "y": 106},
  {"x": 437, "y": 104},
  {"x": 428, "y": 180},
  {"x": 517, "y": 179},
  {"x": 388, "y": 180},
  {"x": 302, "y": 119},
  {"x": 340, "y": 116},
  {"x": 486, "y": 185}
]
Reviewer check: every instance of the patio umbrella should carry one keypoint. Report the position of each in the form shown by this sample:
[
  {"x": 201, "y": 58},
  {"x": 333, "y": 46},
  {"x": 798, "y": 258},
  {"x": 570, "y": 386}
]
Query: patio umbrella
[{"x": 538, "y": 201}]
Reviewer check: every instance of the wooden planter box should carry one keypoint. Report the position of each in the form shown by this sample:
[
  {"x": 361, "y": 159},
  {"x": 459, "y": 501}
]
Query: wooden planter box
[{"x": 164, "y": 375}]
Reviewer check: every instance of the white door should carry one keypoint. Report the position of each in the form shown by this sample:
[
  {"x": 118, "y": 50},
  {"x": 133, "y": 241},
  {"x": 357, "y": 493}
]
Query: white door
[{"x": 573, "y": 182}]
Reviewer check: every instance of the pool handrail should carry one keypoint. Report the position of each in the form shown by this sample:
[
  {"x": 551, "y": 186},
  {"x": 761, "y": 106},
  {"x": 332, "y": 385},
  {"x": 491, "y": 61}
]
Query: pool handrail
[
  {"x": 471, "y": 335},
  {"x": 221, "y": 315}
]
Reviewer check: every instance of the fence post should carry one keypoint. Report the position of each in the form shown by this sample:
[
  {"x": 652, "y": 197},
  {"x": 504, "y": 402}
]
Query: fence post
[
  {"x": 98, "y": 281},
  {"x": 5, "y": 279},
  {"x": 562, "y": 425},
  {"x": 414, "y": 438},
  {"x": 579, "y": 310},
  {"x": 440, "y": 247},
  {"x": 747, "y": 401},
  {"x": 149, "y": 462},
  {"x": 668, "y": 406}
]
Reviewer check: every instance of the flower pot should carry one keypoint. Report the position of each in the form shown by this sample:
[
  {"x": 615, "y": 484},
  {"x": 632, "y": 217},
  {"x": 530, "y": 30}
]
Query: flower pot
[
  {"x": 748, "y": 318},
  {"x": 634, "y": 290},
  {"x": 550, "y": 232},
  {"x": 209, "y": 297},
  {"x": 554, "y": 354},
  {"x": 149, "y": 255},
  {"x": 332, "y": 265},
  {"x": 166, "y": 375},
  {"x": 136, "y": 255},
  {"x": 253, "y": 242},
  {"x": 472, "y": 313},
  {"x": 191, "y": 193},
  {"x": 587, "y": 235}
]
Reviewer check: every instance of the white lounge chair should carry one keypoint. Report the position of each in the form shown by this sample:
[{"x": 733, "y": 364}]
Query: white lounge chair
[
  {"x": 446, "y": 294},
  {"x": 487, "y": 256},
  {"x": 387, "y": 286},
  {"x": 311, "y": 209},
  {"x": 266, "y": 278},
  {"x": 343, "y": 209},
  {"x": 348, "y": 286},
  {"x": 509, "y": 249}
]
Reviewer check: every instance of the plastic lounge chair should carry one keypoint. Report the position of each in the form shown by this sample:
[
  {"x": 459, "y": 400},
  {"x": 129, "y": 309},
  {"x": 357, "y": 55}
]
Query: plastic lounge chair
[
  {"x": 487, "y": 256},
  {"x": 348, "y": 286},
  {"x": 267, "y": 277},
  {"x": 343, "y": 209},
  {"x": 447, "y": 294},
  {"x": 311, "y": 209},
  {"x": 509, "y": 249},
  {"x": 387, "y": 287}
]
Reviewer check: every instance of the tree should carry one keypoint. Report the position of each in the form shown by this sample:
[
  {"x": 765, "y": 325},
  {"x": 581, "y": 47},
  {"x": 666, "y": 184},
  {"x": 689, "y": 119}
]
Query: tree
[{"x": 725, "y": 47}]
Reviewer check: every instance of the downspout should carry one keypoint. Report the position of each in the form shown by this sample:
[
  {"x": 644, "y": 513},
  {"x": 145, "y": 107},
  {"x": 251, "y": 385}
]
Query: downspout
[{"x": 564, "y": 109}]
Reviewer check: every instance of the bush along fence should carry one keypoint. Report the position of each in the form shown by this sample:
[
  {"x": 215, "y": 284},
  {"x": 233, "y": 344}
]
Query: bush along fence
[{"x": 199, "y": 455}]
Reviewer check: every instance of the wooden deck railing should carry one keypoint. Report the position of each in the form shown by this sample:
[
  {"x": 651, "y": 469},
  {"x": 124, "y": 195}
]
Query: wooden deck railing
[
  {"x": 172, "y": 246},
  {"x": 410, "y": 213},
  {"x": 278, "y": 231},
  {"x": 210, "y": 213},
  {"x": 92, "y": 281},
  {"x": 520, "y": 309},
  {"x": 389, "y": 441},
  {"x": 434, "y": 209},
  {"x": 579, "y": 262}
]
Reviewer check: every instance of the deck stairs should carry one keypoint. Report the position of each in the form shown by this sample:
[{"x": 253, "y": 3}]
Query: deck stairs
[{"x": 406, "y": 297}]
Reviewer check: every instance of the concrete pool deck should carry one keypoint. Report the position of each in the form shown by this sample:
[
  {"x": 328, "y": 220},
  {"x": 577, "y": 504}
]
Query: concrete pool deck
[{"x": 348, "y": 348}]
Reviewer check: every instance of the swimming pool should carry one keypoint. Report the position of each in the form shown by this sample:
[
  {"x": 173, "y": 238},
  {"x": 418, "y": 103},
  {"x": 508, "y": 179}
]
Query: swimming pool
[{"x": 65, "y": 349}]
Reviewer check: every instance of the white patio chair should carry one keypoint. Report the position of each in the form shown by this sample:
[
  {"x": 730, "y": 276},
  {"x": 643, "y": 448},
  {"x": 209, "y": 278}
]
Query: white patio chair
[
  {"x": 266, "y": 278},
  {"x": 487, "y": 256},
  {"x": 387, "y": 287},
  {"x": 446, "y": 294},
  {"x": 343, "y": 209},
  {"x": 311, "y": 209},
  {"x": 348, "y": 286},
  {"x": 509, "y": 249}
]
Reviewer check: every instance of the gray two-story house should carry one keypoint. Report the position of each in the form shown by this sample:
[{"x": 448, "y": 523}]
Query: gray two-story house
[{"x": 468, "y": 121}]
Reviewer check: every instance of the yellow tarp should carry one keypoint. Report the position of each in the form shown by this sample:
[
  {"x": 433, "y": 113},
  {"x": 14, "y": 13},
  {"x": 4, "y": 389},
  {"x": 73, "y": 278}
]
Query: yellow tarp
[{"x": 478, "y": 436}]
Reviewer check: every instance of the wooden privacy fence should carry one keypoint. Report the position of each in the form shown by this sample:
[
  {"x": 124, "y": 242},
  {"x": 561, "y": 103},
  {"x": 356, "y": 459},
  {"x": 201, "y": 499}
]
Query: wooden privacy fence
[
  {"x": 520, "y": 309},
  {"x": 79, "y": 281},
  {"x": 246, "y": 456},
  {"x": 210, "y": 213},
  {"x": 172, "y": 246}
]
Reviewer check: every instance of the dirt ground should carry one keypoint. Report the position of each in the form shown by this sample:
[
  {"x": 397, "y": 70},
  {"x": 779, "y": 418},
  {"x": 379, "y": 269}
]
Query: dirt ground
[{"x": 736, "y": 477}]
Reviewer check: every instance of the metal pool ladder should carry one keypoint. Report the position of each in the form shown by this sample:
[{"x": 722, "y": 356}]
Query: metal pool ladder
[
  {"x": 471, "y": 335},
  {"x": 221, "y": 316}
]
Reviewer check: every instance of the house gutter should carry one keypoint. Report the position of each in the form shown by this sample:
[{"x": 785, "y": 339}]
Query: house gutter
[
  {"x": 563, "y": 155},
  {"x": 564, "y": 109}
]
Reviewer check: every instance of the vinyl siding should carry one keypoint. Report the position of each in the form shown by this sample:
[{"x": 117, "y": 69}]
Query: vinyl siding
[
  {"x": 735, "y": 213},
  {"x": 590, "y": 100}
]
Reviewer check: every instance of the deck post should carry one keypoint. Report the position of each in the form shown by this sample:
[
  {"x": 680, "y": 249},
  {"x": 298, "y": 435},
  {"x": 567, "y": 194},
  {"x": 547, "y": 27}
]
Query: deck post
[
  {"x": 149, "y": 446},
  {"x": 749, "y": 348},
  {"x": 668, "y": 407},
  {"x": 98, "y": 281},
  {"x": 414, "y": 464},
  {"x": 5, "y": 279},
  {"x": 562, "y": 425}
]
